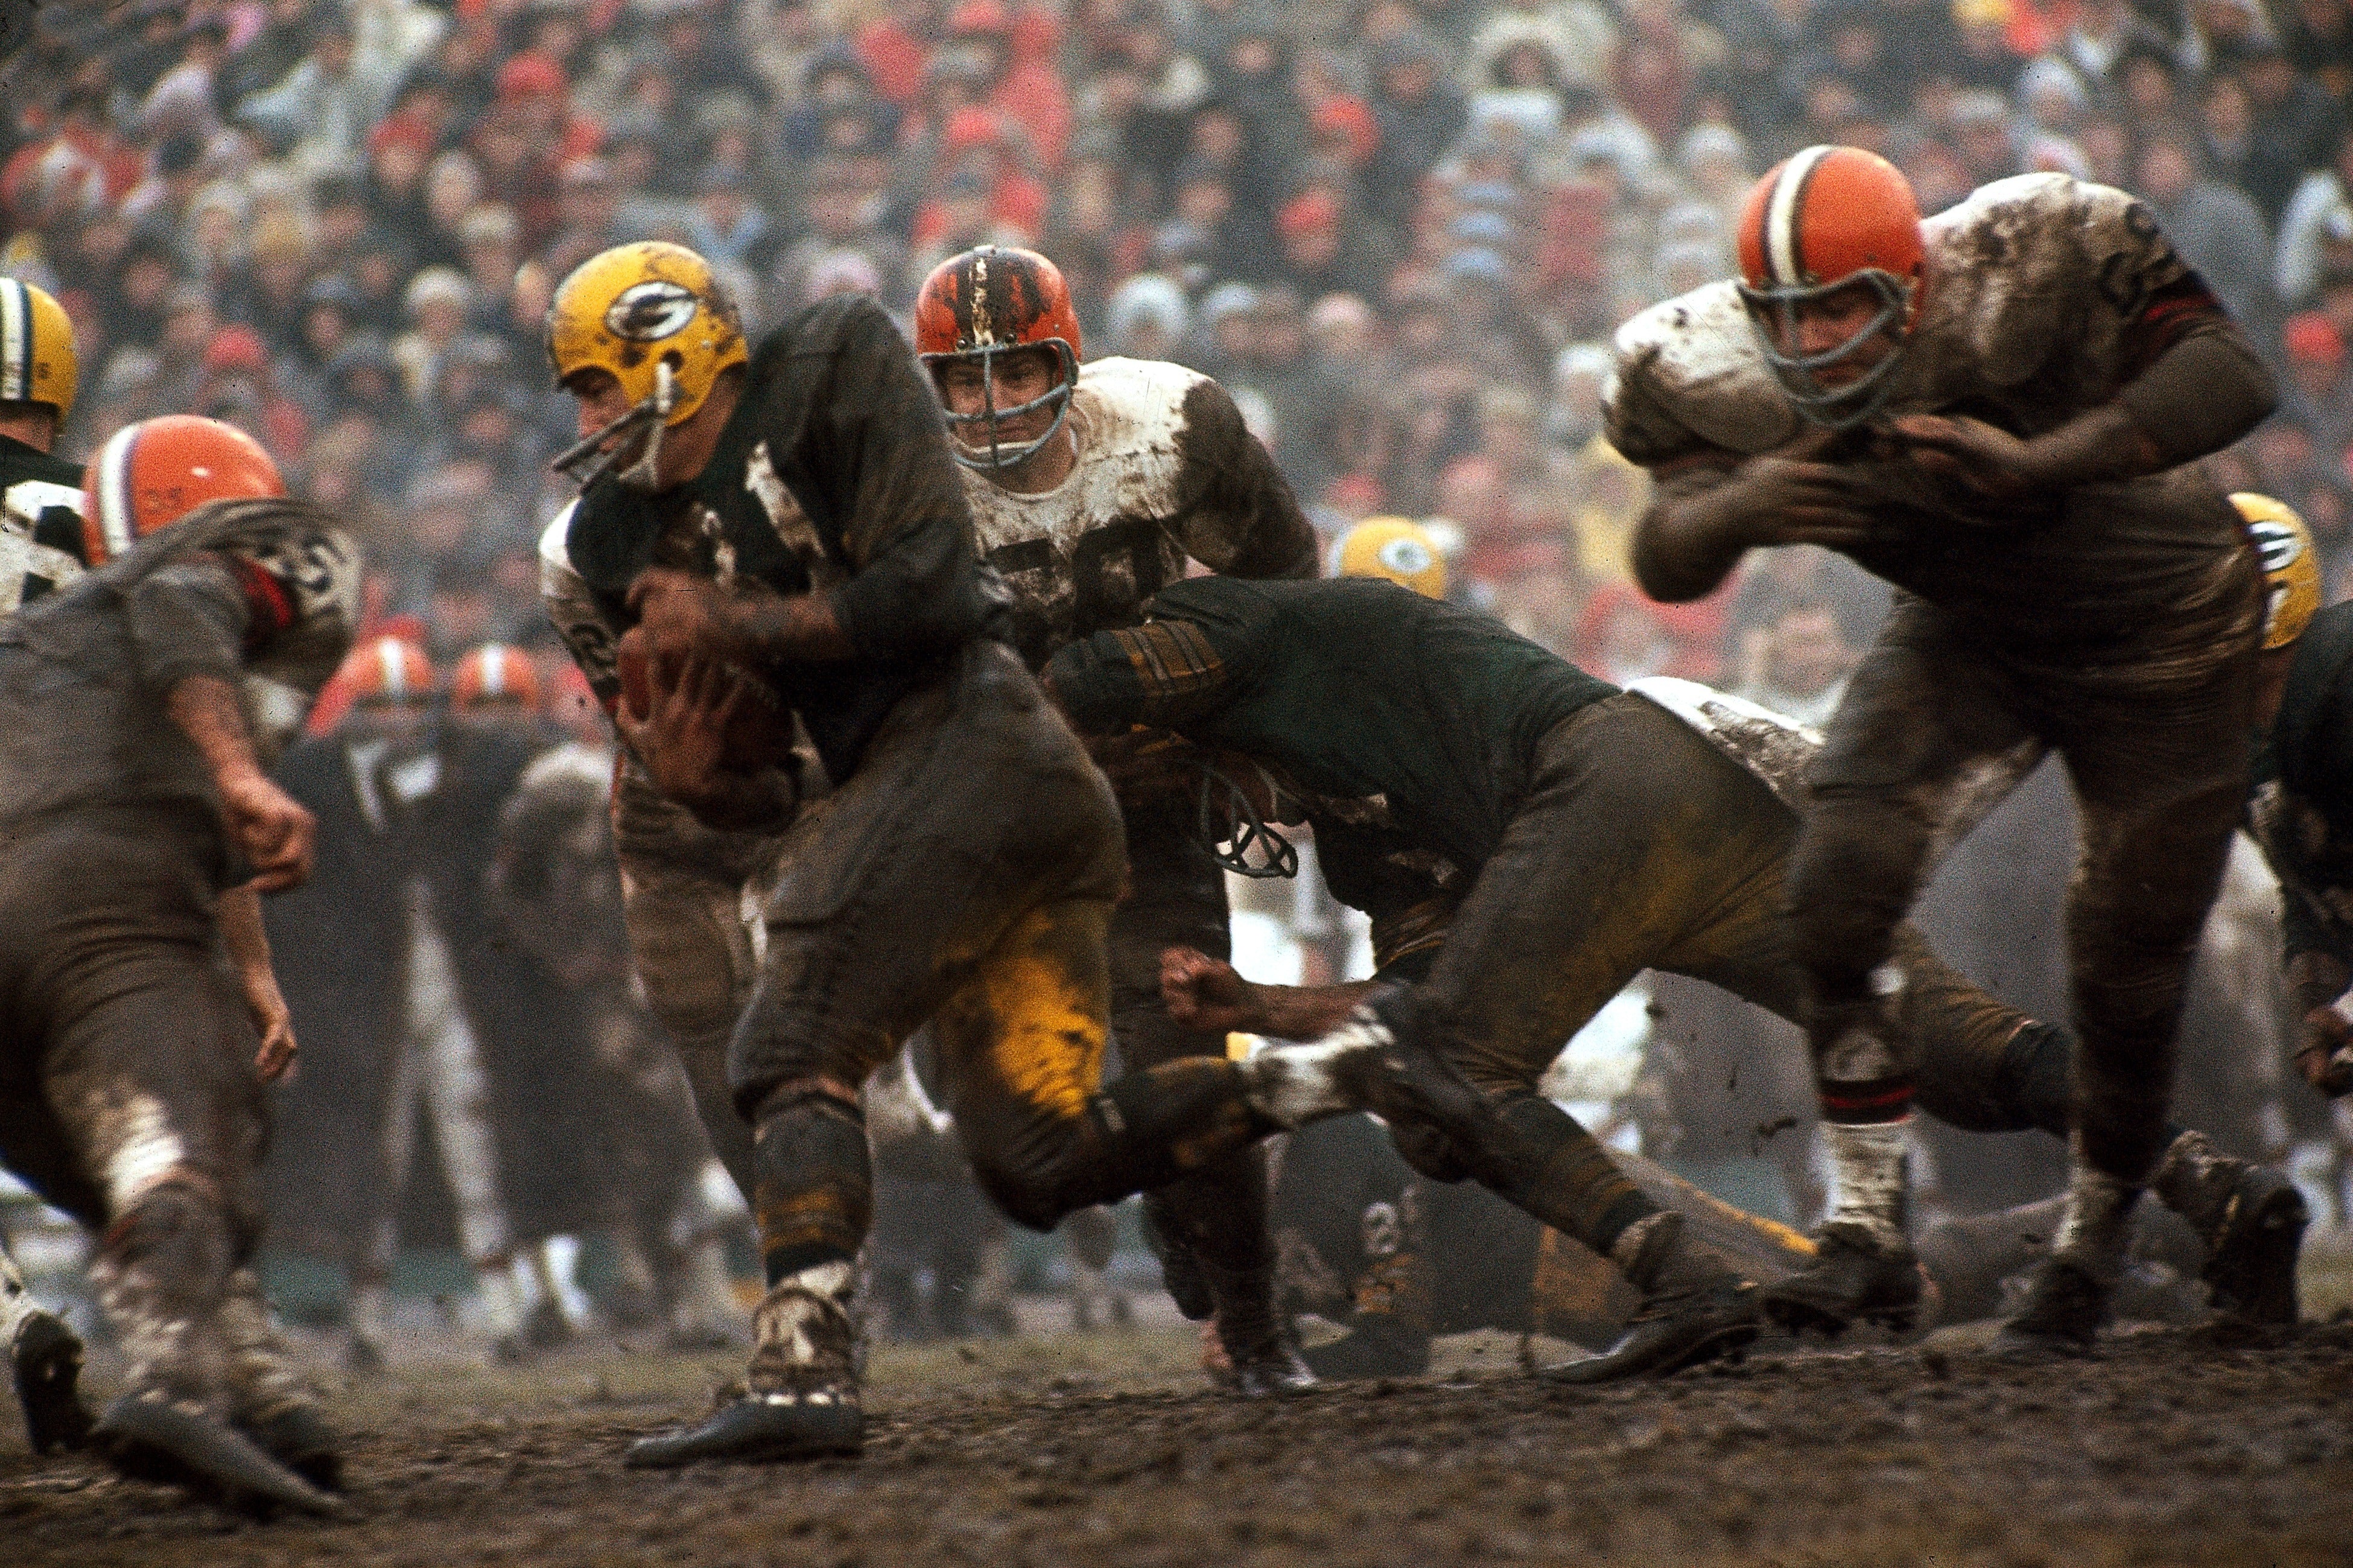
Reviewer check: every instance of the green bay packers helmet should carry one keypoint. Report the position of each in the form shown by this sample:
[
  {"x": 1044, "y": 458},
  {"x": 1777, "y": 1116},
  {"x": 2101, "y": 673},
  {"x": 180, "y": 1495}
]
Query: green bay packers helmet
[
  {"x": 1396, "y": 548},
  {"x": 37, "y": 348},
  {"x": 653, "y": 316},
  {"x": 2291, "y": 566}
]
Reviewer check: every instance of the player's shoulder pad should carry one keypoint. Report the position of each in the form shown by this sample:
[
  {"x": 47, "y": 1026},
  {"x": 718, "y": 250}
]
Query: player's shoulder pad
[
  {"x": 1689, "y": 374},
  {"x": 555, "y": 540},
  {"x": 1131, "y": 402}
]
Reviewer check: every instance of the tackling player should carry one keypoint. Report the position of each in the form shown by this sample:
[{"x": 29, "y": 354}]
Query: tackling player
[
  {"x": 1531, "y": 838},
  {"x": 783, "y": 542},
  {"x": 145, "y": 701},
  {"x": 1090, "y": 487},
  {"x": 1992, "y": 409}
]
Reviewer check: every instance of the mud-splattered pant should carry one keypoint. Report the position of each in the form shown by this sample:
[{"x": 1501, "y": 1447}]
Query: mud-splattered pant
[
  {"x": 683, "y": 898},
  {"x": 1176, "y": 897},
  {"x": 1934, "y": 728},
  {"x": 1640, "y": 846},
  {"x": 128, "y": 1096},
  {"x": 965, "y": 874}
]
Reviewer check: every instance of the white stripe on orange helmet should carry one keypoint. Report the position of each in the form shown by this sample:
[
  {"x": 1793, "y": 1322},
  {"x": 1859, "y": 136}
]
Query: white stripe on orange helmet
[{"x": 1784, "y": 249}]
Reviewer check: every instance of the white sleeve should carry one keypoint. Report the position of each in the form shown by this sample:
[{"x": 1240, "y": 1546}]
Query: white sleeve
[{"x": 588, "y": 633}]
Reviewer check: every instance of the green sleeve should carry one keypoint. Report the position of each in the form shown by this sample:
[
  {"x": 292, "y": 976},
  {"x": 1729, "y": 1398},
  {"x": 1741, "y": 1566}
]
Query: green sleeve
[{"x": 1186, "y": 663}]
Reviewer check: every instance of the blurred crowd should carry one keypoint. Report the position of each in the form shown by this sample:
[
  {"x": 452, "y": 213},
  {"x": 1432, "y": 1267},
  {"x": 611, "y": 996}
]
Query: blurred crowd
[{"x": 1400, "y": 231}]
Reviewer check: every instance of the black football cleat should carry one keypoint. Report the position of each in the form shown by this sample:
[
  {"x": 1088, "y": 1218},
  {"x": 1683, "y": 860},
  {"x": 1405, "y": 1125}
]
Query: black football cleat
[
  {"x": 150, "y": 1438},
  {"x": 46, "y": 1361},
  {"x": 1851, "y": 1280},
  {"x": 2064, "y": 1309},
  {"x": 299, "y": 1439},
  {"x": 762, "y": 1429},
  {"x": 1375, "y": 1347},
  {"x": 1674, "y": 1329},
  {"x": 2251, "y": 1255}
]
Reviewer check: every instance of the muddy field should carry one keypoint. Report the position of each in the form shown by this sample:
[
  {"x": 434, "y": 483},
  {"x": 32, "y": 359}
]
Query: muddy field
[{"x": 2174, "y": 1447}]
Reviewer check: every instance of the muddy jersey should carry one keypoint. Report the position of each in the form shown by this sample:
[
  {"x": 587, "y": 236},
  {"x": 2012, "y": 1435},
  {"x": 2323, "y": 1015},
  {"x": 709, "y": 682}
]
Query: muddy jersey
[
  {"x": 832, "y": 476},
  {"x": 2300, "y": 810},
  {"x": 2046, "y": 297},
  {"x": 1411, "y": 776},
  {"x": 1166, "y": 470},
  {"x": 261, "y": 593},
  {"x": 41, "y": 547}
]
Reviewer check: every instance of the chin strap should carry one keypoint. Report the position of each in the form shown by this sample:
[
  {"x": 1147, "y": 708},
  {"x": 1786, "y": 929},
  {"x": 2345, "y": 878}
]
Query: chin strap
[{"x": 588, "y": 461}]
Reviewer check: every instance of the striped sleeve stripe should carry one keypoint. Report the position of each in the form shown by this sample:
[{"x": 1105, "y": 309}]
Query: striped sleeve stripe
[
  {"x": 1784, "y": 247},
  {"x": 16, "y": 342},
  {"x": 113, "y": 518}
]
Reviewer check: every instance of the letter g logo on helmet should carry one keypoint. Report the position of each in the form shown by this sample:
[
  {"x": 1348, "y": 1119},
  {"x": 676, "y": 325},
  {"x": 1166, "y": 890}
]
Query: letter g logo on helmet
[{"x": 649, "y": 312}]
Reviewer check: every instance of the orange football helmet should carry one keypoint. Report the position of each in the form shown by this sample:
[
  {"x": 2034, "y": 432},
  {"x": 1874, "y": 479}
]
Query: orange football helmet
[
  {"x": 494, "y": 675},
  {"x": 152, "y": 474},
  {"x": 990, "y": 300},
  {"x": 384, "y": 671},
  {"x": 1825, "y": 219}
]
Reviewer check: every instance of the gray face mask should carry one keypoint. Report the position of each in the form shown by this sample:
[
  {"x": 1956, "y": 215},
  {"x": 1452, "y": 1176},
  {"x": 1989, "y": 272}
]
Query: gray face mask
[
  {"x": 1832, "y": 407},
  {"x": 998, "y": 457},
  {"x": 588, "y": 459}
]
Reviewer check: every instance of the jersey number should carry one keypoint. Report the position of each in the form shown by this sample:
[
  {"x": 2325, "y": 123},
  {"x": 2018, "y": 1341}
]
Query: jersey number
[{"x": 1101, "y": 597}]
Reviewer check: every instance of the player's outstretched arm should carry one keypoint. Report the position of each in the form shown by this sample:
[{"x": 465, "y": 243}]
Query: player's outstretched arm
[
  {"x": 269, "y": 827},
  {"x": 247, "y": 942},
  {"x": 1205, "y": 993}
]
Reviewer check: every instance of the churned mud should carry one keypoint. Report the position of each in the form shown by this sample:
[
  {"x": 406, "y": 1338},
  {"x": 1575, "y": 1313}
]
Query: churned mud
[{"x": 2207, "y": 1447}]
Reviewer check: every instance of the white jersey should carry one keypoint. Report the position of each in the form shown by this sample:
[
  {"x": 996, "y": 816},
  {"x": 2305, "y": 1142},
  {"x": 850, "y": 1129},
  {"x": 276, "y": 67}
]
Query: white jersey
[
  {"x": 26, "y": 562},
  {"x": 2032, "y": 314},
  {"x": 1166, "y": 470}
]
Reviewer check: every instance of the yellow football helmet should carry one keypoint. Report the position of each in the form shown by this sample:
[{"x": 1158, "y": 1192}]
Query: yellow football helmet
[
  {"x": 1396, "y": 548},
  {"x": 36, "y": 349},
  {"x": 654, "y": 316},
  {"x": 2291, "y": 566}
]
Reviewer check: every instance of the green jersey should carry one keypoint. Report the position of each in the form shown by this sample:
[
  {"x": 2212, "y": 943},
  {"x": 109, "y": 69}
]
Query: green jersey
[
  {"x": 41, "y": 547},
  {"x": 1408, "y": 727}
]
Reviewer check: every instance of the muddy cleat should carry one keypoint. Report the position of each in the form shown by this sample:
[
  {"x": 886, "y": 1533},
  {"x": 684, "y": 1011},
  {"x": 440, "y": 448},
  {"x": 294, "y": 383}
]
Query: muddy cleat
[
  {"x": 803, "y": 1423},
  {"x": 2250, "y": 1257},
  {"x": 2251, "y": 1219},
  {"x": 46, "y": 1358},
  {"x": 802, "y": 1399},
  {"x": 299, "y": 1439},
  {"x": 150, "y": 1438},
  {"x": 1271, "y": 1370},
  {"x": 1674, "y": 1329},
  {"x": 1854, "y": 1279},
  {"x": 2065, "y": 1306},
  {"x": 1375, "y": 1347}
]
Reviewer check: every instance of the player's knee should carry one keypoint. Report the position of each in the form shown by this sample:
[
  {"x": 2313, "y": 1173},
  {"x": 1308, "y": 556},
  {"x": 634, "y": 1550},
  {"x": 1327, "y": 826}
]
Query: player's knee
[{"x": 177, "y": 1228}]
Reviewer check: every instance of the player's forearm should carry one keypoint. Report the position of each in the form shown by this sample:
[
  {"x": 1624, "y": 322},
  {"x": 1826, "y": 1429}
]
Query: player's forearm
[
  {"x": 799, "y": 628},
  {"x": 207, "y": 709},
  {"x": 239, "y": 913},
  {"x": 1685, "y": 546},
  {"x": 1304, "y": 1012}
]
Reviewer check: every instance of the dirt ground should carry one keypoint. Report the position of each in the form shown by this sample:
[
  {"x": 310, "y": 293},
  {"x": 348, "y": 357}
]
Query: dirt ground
[{"x": 2172, "y": 1447}]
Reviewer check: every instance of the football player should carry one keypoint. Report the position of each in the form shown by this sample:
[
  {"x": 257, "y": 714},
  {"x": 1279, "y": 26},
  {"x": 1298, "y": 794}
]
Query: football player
[
  {"x": 1528, "y": 839},
  {"x": 1994, "y": 409},
  {"x": 2301, "y": 811},
  {"x": 1090, "y": 485},
  {"x": 40, "y": 549},
  {"x": 782, "y": 543},
  {"x": 144, "y": 702}
]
